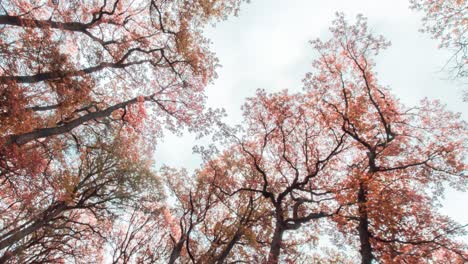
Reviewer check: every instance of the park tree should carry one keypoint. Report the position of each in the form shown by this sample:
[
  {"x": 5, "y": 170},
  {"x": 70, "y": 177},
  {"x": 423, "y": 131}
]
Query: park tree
[
  {"x": 140, "y": 233},
  {"x": 193, "y": 221},
  {"x": 208, "y": 226},
  {"x": 282, "y": 155},
  {"x": 400, "y": 158},
  {"x": 71, "y": 66},
  {"x": 66, "y": 211}
]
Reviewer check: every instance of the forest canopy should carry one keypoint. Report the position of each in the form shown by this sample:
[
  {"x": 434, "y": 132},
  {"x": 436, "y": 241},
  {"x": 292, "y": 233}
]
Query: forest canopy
[{"x": 339, "y": 172}]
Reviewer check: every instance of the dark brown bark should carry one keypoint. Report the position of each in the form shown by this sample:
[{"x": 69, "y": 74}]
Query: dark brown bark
[
  {"x": 44, "y": 108},
  {"x": 227, "y": 250},
  {"x": 363, "y": 228},
  {"x": 175, "y": 254},
  {"x": 275, "y": 247},
  {"x": 63, "y": 74},
  {"x": 70, "y": 26},
  {"x": 21, "y": 139},
  {"x": 33, "y": 23}
]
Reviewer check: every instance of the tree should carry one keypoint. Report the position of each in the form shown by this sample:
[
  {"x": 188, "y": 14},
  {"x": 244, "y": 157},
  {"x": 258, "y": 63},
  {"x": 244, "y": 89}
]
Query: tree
[
  {"x": 192, "y": 222},
  {"x": 139, "y": 236},
  {"x": 66, "y": 212},
  {"x": 400, "y": 158},
  {"x": 87, "y": 88},
  {"x": 85, "y": 81},
  {"x": 446, "y": 21},
  {"x": 68, "y": 65},
  {"x": 207, "y": 226},
  {"x": 282, "y": 155}
]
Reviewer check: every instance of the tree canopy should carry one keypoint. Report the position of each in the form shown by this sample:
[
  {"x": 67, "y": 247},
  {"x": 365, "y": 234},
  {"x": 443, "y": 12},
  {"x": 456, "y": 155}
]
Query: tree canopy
[{"x": 341, "y": 172}]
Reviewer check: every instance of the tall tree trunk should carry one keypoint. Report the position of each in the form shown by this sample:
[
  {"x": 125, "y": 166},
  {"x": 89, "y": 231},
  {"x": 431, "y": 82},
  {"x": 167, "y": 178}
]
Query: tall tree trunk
[
  {"x": 275, "y": 247},
  {"x": 175, "y": 254},
  {"x": 225, "y": 253},
  {"x": 33, "y": 23},
  {"x": 20, "y": 234},
  {"x": 21, "y": 139},
  {"x": 39, "y": 77},
  {"x": 363, "y": 228}
]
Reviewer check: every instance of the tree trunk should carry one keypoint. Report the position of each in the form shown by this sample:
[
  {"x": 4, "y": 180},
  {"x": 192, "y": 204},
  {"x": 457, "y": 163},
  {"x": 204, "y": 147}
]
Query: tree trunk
[
  {"x": 21, "y": 139},
  {"x": 18, "y": 235},
  {"x": 63, "y": 74},
  {"x": 175, "y": 254},
  {"x": 363, "y": 228},
  {"x": 32, "y": 23},
  {"x": 275, "y": 247},
  {"x": 225, "y": 253}
]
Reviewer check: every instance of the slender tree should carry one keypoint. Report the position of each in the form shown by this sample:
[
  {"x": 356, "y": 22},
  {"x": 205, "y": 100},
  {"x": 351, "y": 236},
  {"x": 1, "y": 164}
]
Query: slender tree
[
  {"x": 206, "y": 225},
  {"x": 282, "y": 154},
  {"x": 400, "y": 159}
]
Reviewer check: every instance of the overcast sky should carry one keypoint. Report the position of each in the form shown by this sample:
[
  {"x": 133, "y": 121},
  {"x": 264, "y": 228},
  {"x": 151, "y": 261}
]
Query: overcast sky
[{"x": 267, "y": 46}]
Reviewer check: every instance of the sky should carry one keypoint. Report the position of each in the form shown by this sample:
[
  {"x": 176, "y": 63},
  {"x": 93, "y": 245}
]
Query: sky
[{"x": 267, "y": 46}]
